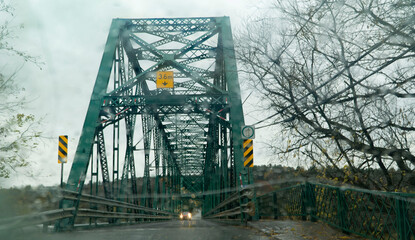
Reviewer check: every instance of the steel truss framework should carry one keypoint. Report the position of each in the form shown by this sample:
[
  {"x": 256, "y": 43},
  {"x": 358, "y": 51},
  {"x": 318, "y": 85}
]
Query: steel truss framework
[{"x": 190, "y": 135}]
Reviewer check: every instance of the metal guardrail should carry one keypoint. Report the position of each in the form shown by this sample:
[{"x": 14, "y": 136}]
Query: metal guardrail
[
  {"x": 47, "y": 217},
  {"x": 105, "y": 214},
  {"x": 236, "y": 204},
  {"x": 69, "y": 195},
  {"x": 36, "y": 218},
  {"x": 370, "y": 214}
]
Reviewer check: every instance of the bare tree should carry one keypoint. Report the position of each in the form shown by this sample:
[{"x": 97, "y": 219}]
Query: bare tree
[
  {"x": 17, "y": 129},
  {"x": 340, "y": 77}
]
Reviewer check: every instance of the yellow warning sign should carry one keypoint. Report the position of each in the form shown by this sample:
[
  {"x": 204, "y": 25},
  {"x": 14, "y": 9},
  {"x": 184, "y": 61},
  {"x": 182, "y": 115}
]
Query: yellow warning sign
[
  {"x": 165, "y": 79},
  {"x": 63, "y": 149},
  {"x": 248, "y": 146}
]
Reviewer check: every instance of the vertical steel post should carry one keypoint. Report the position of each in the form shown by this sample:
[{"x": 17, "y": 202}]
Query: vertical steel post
[
  {"x": 62, "y": 175},
  {"x": 402, "y": 220},
  {"x": 147, "y": 132},
  {"x": 342, "y": 210},
  {"x": 308, "y": 201},
  {"x": 236, "y": 110},
  {"x": 274, "y": 205},
  {"x": 157, "y": 145}
]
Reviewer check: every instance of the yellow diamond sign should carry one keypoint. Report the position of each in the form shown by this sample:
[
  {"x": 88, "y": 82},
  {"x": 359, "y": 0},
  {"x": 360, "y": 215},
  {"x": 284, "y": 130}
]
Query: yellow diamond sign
[{"x": 165, "y": 79}]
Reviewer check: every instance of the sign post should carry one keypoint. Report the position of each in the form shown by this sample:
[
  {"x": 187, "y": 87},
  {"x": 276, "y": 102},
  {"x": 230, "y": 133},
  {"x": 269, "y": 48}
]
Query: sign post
[{"x": 62, "y": 153}]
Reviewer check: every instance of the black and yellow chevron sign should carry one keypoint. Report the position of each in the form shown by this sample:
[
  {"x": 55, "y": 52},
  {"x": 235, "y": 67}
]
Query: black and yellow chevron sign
[
  {"x": 248, "y": 153},
  {"x": 63, "y": 149}
]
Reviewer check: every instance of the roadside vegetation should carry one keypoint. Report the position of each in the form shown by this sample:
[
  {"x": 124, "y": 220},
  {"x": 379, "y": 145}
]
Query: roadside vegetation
[
  {"x": 338, "y": 80},
  {"x": 18, "y": 129}
]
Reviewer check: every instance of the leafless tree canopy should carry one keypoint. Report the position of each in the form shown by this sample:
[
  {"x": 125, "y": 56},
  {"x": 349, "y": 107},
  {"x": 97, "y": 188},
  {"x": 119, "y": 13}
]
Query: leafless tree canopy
[
  {"x": 340, "y": 77},
  {"x": 18, "y": 132}
]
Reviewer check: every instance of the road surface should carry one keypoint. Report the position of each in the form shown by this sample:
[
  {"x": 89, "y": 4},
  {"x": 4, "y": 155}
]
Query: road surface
[{"x": 171, "y": 230}]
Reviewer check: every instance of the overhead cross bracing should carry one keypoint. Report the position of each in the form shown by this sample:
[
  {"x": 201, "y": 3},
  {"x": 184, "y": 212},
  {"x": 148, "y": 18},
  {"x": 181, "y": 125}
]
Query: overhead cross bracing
[{"x": 184, "y": 139}]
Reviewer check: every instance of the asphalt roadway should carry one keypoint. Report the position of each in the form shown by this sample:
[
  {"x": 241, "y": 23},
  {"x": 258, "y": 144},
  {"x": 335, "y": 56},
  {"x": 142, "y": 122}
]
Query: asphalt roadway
[{"x": 198, "y": 229}]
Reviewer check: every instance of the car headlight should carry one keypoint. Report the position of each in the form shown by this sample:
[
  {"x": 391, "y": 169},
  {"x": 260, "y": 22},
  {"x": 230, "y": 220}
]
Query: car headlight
[
  {"x": 181, "y": 216},
  {"x": 190, "y": 215}
]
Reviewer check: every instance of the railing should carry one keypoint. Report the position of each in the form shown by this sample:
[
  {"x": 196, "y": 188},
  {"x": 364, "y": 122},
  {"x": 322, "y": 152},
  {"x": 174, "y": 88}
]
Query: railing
[
  {"x": 234, "y": 207},
  {"x": 36, "y": 218},
  {"x": 48, "y": 217},
  {"x": 371, "y": 214},
  {"x": 69, "y": 195}
]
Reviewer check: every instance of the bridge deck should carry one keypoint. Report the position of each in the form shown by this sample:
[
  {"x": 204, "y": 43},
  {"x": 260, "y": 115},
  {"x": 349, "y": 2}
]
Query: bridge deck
[{"x": 195, "y": 229}]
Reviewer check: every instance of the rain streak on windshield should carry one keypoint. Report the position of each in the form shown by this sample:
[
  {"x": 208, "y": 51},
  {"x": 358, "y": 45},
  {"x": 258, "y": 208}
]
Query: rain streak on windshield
[{"x": 225, "y": 119}]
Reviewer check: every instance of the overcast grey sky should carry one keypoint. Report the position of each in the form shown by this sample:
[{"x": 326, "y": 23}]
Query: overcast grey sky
[{"x": 69, "y": 37}]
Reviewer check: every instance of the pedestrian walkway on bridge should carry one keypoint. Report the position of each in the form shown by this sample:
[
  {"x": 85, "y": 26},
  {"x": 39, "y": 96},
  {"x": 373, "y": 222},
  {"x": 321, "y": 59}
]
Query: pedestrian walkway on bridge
[{"x": 298, "y": 230}]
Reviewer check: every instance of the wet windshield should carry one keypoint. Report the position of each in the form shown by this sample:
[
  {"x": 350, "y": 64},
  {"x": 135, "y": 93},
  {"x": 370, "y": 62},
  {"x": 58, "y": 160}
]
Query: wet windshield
[{"x": 173, "y": 118}]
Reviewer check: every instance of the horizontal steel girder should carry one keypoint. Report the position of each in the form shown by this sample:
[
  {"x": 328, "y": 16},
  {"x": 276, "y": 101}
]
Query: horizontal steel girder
[
  {"x": 172, "y": 24},
  {"x": 164, "y": 100}
]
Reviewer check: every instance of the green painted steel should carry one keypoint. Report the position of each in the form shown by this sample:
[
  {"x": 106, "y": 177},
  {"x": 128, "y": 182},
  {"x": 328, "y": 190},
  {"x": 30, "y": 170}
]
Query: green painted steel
[
  {"x": 83, "y": 153},
  {"x": 370, "y": 214},
  {"x": 188, "y": 143},
  {"x": 236, "y": 110}
]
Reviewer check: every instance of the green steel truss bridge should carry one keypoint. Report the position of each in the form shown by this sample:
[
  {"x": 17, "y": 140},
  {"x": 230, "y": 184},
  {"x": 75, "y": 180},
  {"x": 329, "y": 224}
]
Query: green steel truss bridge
[{"x": 184, "y": 141}]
